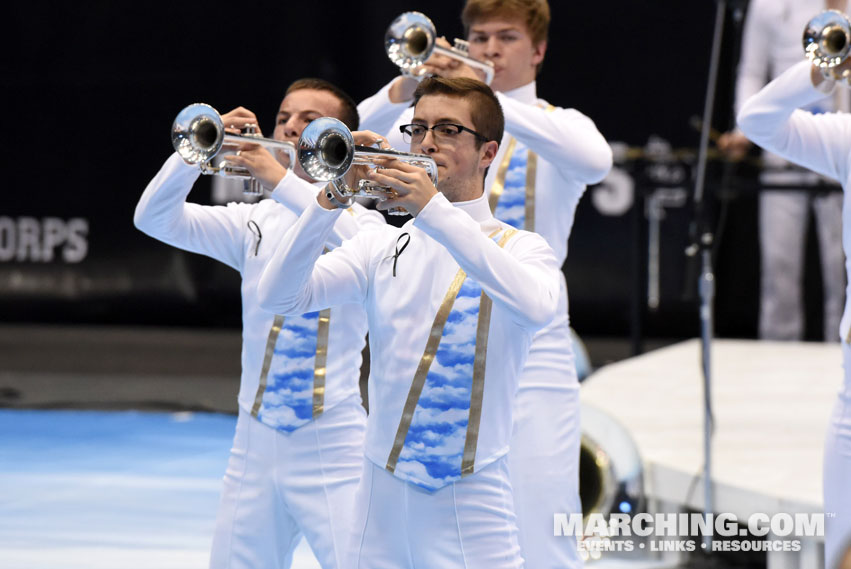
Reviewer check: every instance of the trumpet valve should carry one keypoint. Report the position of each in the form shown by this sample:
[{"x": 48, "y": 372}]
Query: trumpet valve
[
  {"x": 462, "y": 46},
  {"x": 250, "y": 130}
]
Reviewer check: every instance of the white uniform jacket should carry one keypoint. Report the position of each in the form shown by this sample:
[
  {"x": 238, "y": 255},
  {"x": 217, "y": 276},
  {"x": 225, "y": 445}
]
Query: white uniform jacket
[
  {"x": 283, "y": 383},
  {"x": 821, "y": 142},
  {"x": 403, "y": 277}
]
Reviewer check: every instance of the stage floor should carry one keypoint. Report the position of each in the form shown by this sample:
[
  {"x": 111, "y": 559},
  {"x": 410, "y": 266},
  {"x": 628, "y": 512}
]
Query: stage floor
[
  {"x": 771, "y": 403},
  {"x": 112, "y": 490}
]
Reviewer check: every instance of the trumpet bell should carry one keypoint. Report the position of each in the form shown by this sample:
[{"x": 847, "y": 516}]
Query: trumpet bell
[
  {"x": 197, "y": 133},
  {"x": 409, "y": 40},
  {"x": 827, "y": 39},
  {"x": 326, "y": 149}
]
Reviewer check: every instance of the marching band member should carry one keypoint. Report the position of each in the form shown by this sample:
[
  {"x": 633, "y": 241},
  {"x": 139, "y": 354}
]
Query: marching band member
[
  {"x": 453, "y": 299},
  {"x": 547, "y": 157},
  {"x": 298, "y": 449},
  {"x": 770, "y": 45},
  {"x": 773, "y": 118}
]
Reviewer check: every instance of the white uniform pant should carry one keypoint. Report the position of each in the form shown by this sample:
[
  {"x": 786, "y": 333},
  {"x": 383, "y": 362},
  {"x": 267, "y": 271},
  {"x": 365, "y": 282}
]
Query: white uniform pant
[
  {"x": 544, "y": 467},
  {"x": 783, "y": 218},
  {"x": 837, "y": 473},
  {"x": 279, "y": 486},
  {"x": 468, "y": 524}
]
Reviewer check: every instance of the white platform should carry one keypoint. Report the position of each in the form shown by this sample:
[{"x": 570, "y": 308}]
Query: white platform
[{"x": 771, "y": 404}]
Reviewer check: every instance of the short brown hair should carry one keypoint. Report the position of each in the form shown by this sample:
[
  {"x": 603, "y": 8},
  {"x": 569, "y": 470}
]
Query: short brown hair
[
  {"x": 348, "y": 107},
  {"x": 534, "y": 13},
  {"x": 485, "y": 109}
]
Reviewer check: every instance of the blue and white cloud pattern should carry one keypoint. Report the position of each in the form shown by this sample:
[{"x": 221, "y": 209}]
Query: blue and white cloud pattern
[
  {"x": 288, "y": 400},
  {"x": 511, "y": 207},
  {"x": 433, "y": 449}
]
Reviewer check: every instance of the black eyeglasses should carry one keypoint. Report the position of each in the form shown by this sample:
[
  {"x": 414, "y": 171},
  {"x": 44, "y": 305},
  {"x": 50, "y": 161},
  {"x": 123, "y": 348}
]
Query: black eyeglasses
[{"x": 415, "y": 133}]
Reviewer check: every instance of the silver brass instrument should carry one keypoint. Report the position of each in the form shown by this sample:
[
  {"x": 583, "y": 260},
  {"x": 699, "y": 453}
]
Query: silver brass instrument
[
  {"x": 198, "y": 134},
  {"x": 610, "y": 469},
  {"x": 827, "y": 39},
  {"x": 326, "y": 150},
  {"x": 411, "y": 40}
]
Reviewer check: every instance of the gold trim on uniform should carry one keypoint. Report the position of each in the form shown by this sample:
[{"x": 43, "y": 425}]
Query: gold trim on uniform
[
  {"x": 422, "y": 369},
  {"x": 478, "y": 383},
  {"x": 320, "y": 361},
  {"x": 277, "y": 324},
  {"x": 531, "y": 177},
  {"x": 478, "y": 389},
  {"x": 499, "y": 182},
  {"x": 468, "y": 461}
]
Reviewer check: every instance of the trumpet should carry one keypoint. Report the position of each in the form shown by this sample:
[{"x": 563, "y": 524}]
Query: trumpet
[
  {"x": 410, "y": 41},
  {"x": 326, "y": 150},
  {"x": 827, "y": 39},
  {"x": 198, "y": 134}
]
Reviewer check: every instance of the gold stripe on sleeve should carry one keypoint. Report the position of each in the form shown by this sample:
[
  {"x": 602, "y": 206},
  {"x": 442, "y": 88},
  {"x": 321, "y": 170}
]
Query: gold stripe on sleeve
[{"x": 277, "y": 324}]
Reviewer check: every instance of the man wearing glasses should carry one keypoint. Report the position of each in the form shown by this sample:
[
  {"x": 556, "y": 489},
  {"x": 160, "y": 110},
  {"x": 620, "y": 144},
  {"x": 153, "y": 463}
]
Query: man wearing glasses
[
  {"x": 453, "y": 299},
  {"x": 547, "y": 157}
]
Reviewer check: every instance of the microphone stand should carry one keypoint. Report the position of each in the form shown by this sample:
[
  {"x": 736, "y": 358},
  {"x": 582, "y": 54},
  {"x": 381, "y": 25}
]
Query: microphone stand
[{"x": 701, "y": 241}]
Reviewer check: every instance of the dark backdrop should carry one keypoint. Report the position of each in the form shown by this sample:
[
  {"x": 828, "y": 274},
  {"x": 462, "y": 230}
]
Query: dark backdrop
[{"x": 91, "y": 90}]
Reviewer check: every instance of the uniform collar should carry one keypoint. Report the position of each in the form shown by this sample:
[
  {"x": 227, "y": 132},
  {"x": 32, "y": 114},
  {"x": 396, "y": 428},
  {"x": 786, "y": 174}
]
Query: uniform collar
[
  {"x": 528, "y": 93},
  {"x": 478, "y": 209}
]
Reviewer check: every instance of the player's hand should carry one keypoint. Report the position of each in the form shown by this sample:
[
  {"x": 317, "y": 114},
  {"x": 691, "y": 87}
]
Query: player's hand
[
  {"x": 363, "y": 138},
  {"x": 449, "y": 67},
  {"x": 236, "y": 120},
  {"x": 260, "y": 162},
  {"x": 734, "y": 145},
  {"x": 411, "y": 185}
]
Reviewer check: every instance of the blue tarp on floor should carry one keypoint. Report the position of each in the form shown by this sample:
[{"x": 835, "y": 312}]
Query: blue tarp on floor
[{"x": 111, "y": 490}]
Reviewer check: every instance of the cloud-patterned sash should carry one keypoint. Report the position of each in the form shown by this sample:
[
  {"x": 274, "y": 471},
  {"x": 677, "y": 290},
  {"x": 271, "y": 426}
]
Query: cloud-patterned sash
[
  {"x": 511, "y": 207},
  {"x": 437, "y": 436},
  {"x": 287, "y": 400},
  {"x": 433, "y": 450}
]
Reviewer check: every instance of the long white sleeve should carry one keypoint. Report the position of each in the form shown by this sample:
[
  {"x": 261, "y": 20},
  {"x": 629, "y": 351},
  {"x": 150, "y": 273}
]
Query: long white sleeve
[
  {"x": 523, "y": 276},
  {"x": 162, "y": 213},
  {"x": 297, "y": 280},
  {"x": 565, "y": 137},
  {"x": 297, "y": 195},
  {"x": 819, "y": 142}
]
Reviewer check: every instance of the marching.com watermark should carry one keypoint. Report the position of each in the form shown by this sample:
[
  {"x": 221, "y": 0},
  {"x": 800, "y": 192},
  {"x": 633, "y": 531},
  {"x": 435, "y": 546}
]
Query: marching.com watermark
[{"x": 684, "y": 531}]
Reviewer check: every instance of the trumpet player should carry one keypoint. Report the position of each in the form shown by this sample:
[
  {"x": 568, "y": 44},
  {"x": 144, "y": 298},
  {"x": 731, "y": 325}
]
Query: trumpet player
[
  {"x": 770, "y": 45},
  {"x": 298, "y": 447},
  {"x": 774, "y": 119},
  {"x": 547, "y": 157},
  {"x": 453, "y": 299}
]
